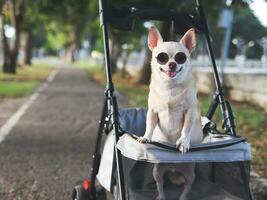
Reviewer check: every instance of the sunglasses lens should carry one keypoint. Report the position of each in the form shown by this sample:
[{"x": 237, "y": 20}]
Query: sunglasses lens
[
  {"x": 162, "y": 58},
  {"x": 180, "y": 58}
]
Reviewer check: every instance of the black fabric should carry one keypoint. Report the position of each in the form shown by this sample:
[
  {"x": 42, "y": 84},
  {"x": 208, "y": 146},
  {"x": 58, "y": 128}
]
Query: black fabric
[
  {"x": 123, "y": 18},
  {"x": 123, "y": 15}
]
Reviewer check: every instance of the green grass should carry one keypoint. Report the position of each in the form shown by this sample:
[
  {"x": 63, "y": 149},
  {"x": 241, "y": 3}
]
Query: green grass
[
  {"x": 245, "y": 114},
  {"x": 24, "y": 81},
  {"x": 27, "y": 73},
  {"x": 16, "y": 88},
  {"x": 138, "y": 96},
  {"x": 248, "y": 114},
  {"x": 84, "y": 64}
]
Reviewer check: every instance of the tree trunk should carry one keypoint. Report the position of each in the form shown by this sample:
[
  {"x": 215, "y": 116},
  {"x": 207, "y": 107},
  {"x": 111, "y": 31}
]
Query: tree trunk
[
  {"x": 7, "y": 67},
  {"x": 124, "y": 63},
  {"x": 1, "y": 31},
  {"x": 11, "y": 51},
  {"x": 115, "y": 54},
  {"x": 145, "y": 73},
  {"x": 115, "y": 50},
  {"x": 75, "y": 42},
  {"x": 26, "y": 47},
  {"x": 72, "y": 53}
]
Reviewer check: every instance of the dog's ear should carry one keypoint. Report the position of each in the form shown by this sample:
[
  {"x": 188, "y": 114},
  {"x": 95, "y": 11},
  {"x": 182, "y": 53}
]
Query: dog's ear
[
  {"x": 154, "y": 38},
  {"x": 189, "y": 40}
]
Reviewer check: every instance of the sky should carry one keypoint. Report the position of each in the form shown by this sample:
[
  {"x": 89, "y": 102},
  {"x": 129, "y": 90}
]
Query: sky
[{"x": 260, "y": 10}]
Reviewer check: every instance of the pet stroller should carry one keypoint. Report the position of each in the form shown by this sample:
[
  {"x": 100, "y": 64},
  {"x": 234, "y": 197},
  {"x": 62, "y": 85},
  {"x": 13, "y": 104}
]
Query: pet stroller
[{"x": 124, "y": 166}]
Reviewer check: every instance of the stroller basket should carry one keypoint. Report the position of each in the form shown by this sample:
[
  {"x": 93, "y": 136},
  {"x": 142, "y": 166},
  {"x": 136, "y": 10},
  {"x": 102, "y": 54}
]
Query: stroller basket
[{"x": 217, "y": 170}]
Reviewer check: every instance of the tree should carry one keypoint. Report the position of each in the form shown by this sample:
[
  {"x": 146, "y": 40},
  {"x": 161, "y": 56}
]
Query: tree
[
  {"x": 242, "y": 15},
  {"x": 26, "y": 45},
  {"x": 32, "y": 23},
  {"x": 12, "y": 14},
  {"x": 71, "y": 17}
]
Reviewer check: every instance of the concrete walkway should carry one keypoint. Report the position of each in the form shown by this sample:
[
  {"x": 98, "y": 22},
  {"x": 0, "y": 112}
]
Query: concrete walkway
[{"x": 49, "y": 149}]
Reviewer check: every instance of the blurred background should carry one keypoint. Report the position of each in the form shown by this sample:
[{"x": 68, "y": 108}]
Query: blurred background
[{"x": 39, "y": 36}]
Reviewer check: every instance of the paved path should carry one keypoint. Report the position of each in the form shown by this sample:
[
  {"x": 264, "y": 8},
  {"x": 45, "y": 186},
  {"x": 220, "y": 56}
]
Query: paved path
[{"x": 50, "y": 148}]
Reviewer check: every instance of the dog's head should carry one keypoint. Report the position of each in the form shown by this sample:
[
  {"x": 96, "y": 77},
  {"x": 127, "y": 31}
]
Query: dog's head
[{"x": 170, "y": 60}]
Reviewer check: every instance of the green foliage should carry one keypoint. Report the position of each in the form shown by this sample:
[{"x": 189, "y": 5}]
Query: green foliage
[
  {"x": 57, "y": 39},
  {"x": 53, "y": 22},
  {"x": 242, "y": 15},
  {"x": 95, "y": 33}
]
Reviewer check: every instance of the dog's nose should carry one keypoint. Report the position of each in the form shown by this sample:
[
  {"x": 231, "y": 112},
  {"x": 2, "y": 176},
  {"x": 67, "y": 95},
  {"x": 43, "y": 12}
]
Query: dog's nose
[{"x": 172, "y": 66}]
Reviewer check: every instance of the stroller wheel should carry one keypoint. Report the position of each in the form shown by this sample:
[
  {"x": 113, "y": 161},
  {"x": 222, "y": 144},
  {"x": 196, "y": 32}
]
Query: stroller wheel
[{"x": 79, "y": 193}]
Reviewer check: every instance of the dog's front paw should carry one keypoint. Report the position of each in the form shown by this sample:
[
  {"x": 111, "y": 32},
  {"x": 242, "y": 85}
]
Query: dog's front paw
[
  {"x": 143, "y": 139},
  {"x": 183, "y": 144}
]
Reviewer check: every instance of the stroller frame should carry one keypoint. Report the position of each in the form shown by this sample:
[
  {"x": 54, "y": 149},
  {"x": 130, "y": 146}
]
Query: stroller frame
[{"x": 110, "y": 115}]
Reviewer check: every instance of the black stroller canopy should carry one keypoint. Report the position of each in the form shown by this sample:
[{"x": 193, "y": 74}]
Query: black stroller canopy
[{"x": 123, "y": 18}]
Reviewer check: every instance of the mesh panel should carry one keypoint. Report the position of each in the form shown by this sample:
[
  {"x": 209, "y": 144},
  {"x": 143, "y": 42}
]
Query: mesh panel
[{"x": 228, "y": 184}]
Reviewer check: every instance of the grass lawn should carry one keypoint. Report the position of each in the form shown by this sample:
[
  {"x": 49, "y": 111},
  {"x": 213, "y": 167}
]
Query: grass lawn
[
  {"x": 251, "y": 121},
  {"x": 16, "y": 88},
  {"x": 27, "y": 73},
  {"x": 24, "y": 81}
]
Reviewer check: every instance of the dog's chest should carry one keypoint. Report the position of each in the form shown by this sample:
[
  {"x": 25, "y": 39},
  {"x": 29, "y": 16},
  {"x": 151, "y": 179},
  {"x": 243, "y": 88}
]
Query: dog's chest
[
  {"x": 170, "y": 102},
  {"x": 171, "y": 113},
  {"x": 171, "y": 120}
]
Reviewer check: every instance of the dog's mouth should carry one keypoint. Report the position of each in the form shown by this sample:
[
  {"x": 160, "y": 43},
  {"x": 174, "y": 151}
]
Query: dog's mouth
[{"x": 171, "y": 73}]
